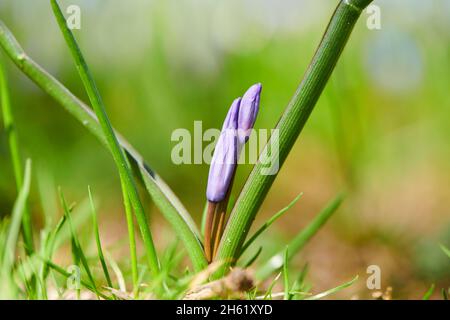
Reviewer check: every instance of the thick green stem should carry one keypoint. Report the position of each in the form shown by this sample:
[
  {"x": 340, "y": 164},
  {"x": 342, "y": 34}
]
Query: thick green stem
[{"x": 289, "y": 127}]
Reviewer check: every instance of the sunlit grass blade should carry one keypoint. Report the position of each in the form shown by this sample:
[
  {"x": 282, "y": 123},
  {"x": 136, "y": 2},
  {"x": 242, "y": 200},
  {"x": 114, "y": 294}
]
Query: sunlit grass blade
[
  {"x": 66, "y": 274},
  {"x": 28, "y": 286},
  {"x": 295, "y": 245},
  {"x": 445, "y": 293},
  {"x": 164, "y": 198},
  {"x": 7, "y": 261},
  {"x": 445, "y": 249},
  {"x": 113, "y": 144},
  {"x": 77, "y": 251},
  {"x": 333, "y": 291},
  {"x": 288, "y": 128},
  {"x": 286, "y": 274},
  {"x": 203, "y": 222},
  {"x": 97, "y": 240},
  {"x": 48, "y": 196},
  {"x": 299, "y": 284},
  {"x": 16, "y": 159},
  {"x": 48, "y": 247},
  {"x": 253, "y": 258},
  {"x": 119, "y": 274},
  {"x": 268, "y": 223},
  {"x": 429, "y": 292},
  {"x": 131, "y": 237},
  {"x": 268, "y": 294}
]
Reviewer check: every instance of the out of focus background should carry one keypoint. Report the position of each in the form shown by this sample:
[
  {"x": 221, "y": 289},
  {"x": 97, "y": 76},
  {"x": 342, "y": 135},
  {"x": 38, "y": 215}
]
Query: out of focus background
[{"x": 380, "y": 132}]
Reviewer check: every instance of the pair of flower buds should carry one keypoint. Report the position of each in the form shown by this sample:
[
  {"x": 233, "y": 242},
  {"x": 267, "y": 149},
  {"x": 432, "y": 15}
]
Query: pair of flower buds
[{"x": 235, "y": 133}]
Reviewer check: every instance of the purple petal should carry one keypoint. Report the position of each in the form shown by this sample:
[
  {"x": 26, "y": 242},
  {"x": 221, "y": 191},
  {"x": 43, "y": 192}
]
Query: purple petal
[
  {"x": 248, "y": 111},
  {"x": 223, "y": 163}
]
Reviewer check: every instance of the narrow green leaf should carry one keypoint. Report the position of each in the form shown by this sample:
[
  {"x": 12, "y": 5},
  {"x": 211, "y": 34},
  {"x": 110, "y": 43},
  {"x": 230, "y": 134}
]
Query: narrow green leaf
[
  {"x": 113, "y": 144},
  {"x": 445, "y": 249},
  {"x": 117, "y": 272},
  {"x": 97, "y": 240},
  {"x": 297, "y": 244},
  {"x": 268, "y": 223},
  {"x": 164, "y": 198},
  {"x": 66, "y": 274},
  {"x": 286, "y": 274},
  {"x": 16, "y": 159},
  {"x": 204, "y": 215},
  {"x": 332, "y": 291},
  {"x": 253, "y": 258},
  {"x": 7, "y": 260},
  {"x": 77, "y": 251},
  {"x": 444, "y": 293},
  {"x": 299, "y": 284},
  {"x": 14, "y": 226},
  {"x": 429, "y": 292},
  {"x": 268, "y": 294}
]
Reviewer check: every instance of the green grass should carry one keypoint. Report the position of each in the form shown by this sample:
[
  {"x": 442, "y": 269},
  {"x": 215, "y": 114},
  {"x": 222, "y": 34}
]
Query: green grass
[
  {"x": 122, "y": 165},
  {"x": 14, "y": 149},
  {"x": 163, "y": 283},
  {"x": 161, "y": 272}
]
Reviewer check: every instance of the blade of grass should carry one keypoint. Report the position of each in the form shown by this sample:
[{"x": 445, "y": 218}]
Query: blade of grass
[
  {"x": 299, "y": 284},
  {"x": 66, "y": 274},
  {"x": 445, "y": 249},
  {"x": 268, "y": 223},
  {"x": 11, "y": 133},
  {"x": 268, "y": 294},
  {"x": 48, "y": 248},
  {"x": 114, "y": 147},
  {"x": 97, "y": 240},
  {"x": 7, "y": 260},
  {"x": 204, "y": 215},
  {"x": 445, "y": 293},
  {"x": 117, "y": 272},
  {"x": 429, "y": 292},
  {"x": 333, "y": 291},
  {"x": 286, "y": 274},
  {"x": 47, "y": 196},
  {"x": 164, "y": 198},
  {"x": 131, "y": 238},
  {"x": 131, "y": 241},
  {"x": 289, "y": 128},
  {"x": 78, "y": 253},
  {"x": 276, "y": 262},
  {"x": 253, "y": 258},
  {"x": 28, "y": 286}
]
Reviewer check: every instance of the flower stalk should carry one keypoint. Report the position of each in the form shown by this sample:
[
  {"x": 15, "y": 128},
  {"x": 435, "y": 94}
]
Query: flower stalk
[
  {"x": 235, "y": 133},
  {"x": 289, "y": 126}
]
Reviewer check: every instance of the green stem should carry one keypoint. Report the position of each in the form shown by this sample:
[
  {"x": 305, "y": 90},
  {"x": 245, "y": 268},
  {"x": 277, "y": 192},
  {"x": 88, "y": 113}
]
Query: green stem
[
  {"x": 10, "y": 129},
  {"x": 289, "y": 127},
  {"x": 131, "y": 239},
  {"x": 162, "y": 195},
  {"x": 116, "y": 150}
]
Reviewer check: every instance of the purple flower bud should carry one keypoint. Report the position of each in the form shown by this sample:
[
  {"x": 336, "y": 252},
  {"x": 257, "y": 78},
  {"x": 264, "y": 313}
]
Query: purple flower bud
[
  {"x": 248, "y": 112},
  {"x": 224, "y": 161}
]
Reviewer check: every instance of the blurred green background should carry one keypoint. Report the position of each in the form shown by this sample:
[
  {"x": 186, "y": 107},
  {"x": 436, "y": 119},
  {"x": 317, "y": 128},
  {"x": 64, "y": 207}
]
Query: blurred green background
[{"x": 380, "y": 131}]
